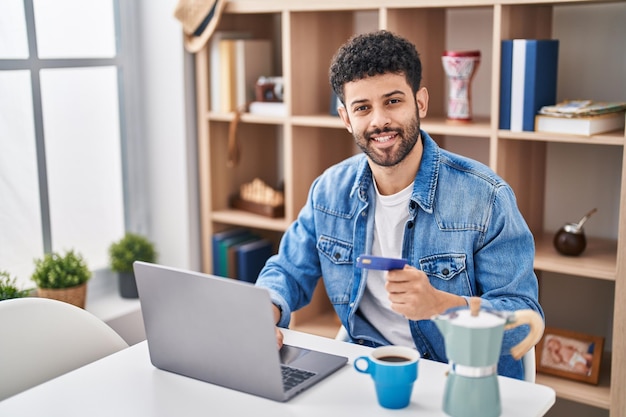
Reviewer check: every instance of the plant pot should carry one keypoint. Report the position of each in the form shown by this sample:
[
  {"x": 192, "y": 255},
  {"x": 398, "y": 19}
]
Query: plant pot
[
  {"x": 73, "y": 295},
  {"x": 127, "y": 285}
]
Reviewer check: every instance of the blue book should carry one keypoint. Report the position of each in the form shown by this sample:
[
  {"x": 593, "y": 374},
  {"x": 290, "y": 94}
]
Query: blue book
[
  {"x": 533, "y": 80},
  {"x": 251, "y": 258},
  {"x": 216, "y": 239},
  {"x": 224, "y": 246},
  {"x": 506, "y": 68},
  {"x": 231, "y": 262}
]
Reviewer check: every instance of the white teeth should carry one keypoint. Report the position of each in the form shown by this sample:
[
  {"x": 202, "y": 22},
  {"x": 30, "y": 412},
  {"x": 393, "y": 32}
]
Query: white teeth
[{"x": 383, "y": 139}]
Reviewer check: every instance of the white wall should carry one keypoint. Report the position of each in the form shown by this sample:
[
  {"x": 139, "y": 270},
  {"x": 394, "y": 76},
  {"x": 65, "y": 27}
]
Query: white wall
[{"x": 171, "y": 165}]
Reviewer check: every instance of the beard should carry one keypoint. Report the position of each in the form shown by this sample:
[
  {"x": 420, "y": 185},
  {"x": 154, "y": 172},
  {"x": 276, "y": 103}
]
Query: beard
[{"x": 408, "y": 137}]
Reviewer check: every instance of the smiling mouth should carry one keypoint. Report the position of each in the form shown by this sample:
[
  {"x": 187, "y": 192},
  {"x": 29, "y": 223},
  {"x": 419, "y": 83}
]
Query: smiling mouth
[{"x": 384, "y": 138}]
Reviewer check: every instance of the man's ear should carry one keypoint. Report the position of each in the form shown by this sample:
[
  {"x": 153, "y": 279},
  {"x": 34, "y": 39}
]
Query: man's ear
[
  {"x": 421, "y": 98},
  {"x": 343, "y": 113}
]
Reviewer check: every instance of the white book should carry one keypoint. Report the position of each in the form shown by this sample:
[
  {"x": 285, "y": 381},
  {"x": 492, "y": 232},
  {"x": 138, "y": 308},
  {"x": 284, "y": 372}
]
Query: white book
[
  {"x": 517, "y": 84},
  {"x": 585, "y": 126},
  {"x": 268, "y": 108}
]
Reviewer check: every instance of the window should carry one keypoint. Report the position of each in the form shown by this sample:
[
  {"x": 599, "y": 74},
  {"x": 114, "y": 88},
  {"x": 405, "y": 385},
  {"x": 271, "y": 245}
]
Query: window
[{"x": 63, "y": 180}]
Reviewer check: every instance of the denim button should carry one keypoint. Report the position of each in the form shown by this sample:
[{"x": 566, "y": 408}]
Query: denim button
[
  {"x": 445, "y": 271},
  {"x": 409, "y": 225}
]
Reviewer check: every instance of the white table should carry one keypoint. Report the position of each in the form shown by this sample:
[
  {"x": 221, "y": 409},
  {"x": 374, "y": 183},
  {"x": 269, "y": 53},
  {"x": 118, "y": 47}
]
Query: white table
[{"x": 127, "y": 384}]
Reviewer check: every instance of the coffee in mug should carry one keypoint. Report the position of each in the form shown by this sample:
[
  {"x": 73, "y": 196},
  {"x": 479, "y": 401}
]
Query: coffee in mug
[{"x": 394, "y": 369}]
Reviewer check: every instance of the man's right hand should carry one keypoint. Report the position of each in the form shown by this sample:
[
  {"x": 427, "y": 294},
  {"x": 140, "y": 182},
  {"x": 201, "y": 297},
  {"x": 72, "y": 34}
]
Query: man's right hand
[
  {"x": 279, "y": 334},
  {"x": 279, "y": 337}
]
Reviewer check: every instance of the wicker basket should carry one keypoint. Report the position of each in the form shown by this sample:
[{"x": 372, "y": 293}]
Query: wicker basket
[{"x": 73, "y": 295}]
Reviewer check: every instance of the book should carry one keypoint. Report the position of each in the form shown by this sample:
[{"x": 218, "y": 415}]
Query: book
[
  {"x": 232, "y": 268},
  {"x": 576, "y": 108},
  {"x": 242, "y": 61},
  {"x": 506, "y": 68},
  {"x": 227, "y": 76},
  {"x": 335, "y": 103},
  {"x": 217, "y": 238},
  {"x": 268, "y": 108},
  {"x": 533, "y": 80},
  {"x": 215, "y": 66},
  {"x": 584, "y": 125},
  {"x": 251, "y": 258},
  {"x": 224, "y": 245}
]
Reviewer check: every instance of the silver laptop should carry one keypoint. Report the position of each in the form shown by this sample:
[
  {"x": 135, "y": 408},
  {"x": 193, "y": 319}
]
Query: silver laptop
[{"x": 222, "y": 331}]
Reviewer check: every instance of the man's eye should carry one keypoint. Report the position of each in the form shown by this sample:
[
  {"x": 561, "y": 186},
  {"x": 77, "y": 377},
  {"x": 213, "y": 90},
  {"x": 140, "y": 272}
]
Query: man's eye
[
  {"x": 393, "y": 100},
  {"x": 360, "y": 108}
]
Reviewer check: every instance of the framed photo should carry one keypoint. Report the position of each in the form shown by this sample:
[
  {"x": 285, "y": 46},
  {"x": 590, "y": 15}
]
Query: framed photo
[{"x": 570, "y": 355}]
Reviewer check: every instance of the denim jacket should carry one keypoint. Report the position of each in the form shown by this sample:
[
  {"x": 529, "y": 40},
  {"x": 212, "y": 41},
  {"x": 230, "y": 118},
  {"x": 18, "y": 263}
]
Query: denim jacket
[{"x": 464, "y": 231}]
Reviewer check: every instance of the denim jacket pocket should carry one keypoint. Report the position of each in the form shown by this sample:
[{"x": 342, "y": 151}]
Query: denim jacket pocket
[
  {"x": 447, "y": 272},
  {"x": 337, "y": 251},
  {"x": 337, "y": 268}
]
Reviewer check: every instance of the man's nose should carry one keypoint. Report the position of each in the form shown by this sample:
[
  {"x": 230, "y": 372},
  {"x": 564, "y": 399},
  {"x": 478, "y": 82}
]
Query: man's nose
[{"x": 380, "y": 117}]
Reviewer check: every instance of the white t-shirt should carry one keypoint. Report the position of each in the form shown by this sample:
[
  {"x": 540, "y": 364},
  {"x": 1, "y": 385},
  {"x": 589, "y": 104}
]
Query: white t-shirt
[{"x": 392, "y": 214}]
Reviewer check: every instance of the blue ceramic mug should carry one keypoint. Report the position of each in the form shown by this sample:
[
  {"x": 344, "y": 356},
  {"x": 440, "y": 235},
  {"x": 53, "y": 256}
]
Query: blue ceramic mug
[{"x": 394, "y": 370}]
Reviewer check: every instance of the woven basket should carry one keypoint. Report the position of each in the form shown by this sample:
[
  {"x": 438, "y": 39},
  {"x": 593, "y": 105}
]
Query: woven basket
[{"x": 73, "y": 295}]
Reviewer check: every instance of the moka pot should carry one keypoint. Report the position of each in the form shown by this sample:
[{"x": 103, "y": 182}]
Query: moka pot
[{"x": 473, "y": 341}]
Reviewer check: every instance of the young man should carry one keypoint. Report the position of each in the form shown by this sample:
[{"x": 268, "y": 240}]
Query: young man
[{"x": 453, "y": 219}]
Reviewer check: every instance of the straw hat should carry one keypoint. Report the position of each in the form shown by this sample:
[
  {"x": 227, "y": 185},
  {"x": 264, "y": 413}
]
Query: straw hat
[{"x": 199, "y": 19}]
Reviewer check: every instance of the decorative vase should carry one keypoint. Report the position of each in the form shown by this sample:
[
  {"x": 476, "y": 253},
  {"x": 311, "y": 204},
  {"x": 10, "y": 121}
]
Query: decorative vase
[
  {"x": 73, "y": 295},
  {"x": 127, "y": 285},
  {"x": 460, "y": 67}
]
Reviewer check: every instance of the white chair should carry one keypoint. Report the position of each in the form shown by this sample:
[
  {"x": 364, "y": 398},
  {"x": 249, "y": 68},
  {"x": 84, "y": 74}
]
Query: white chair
[
  {"x": 41, "y": 338},
  {"x": 530, "y": 367},
  {"x": 530, "y": 371},
  {"x": 342, "y": 334}
]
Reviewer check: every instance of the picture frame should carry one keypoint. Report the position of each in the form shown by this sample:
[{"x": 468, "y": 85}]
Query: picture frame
[{"x": 570, "y": 354}]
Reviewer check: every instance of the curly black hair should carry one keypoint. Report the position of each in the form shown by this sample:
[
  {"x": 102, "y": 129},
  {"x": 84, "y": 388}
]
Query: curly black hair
[{"x": 371, "y": 54}]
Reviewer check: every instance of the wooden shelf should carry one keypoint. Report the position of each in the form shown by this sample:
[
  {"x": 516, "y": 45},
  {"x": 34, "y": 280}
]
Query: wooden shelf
[
  {"x": 246, "y": 118},
  {"x": 478, "y": 127},
  {"x": 599, "y": 260},
  {"x": 612, "y": 138},
  {"x": 246, "y": 219},
  {"x": 294, "y": 149},
  {"x": 594, "y": 395}
]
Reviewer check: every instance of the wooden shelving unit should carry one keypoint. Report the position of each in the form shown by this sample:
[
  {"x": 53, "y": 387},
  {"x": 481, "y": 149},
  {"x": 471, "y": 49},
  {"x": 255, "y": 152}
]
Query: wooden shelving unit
[{"x": 293, "y": 150}]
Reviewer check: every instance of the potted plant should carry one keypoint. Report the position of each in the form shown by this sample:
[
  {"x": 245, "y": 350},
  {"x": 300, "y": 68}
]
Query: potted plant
[
  {"x": 62, "y": 277},
  {"x": 132, "y": 247},
  {"x": 8, "y": 287}
]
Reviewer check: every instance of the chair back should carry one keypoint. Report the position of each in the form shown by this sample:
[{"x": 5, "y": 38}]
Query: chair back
[{"x": 41, "y": 338}]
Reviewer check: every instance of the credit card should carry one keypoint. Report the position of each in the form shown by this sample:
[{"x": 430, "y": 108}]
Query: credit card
[{"x": 379, "y": 262}]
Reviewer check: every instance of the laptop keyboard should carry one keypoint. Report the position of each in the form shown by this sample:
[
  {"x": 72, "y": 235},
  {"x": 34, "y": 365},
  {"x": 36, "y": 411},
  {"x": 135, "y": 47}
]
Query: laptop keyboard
[{"x": 293, "y": 377}]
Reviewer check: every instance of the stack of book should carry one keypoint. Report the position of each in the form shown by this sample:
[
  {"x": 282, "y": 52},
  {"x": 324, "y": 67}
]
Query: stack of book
[
  {"x": 581, "y": 117},
  {"x": 240, "y": 254}
]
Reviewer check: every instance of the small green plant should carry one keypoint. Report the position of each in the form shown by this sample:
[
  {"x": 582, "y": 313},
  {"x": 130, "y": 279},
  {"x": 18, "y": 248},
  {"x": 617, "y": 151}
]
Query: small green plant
[
  {"x": 132, "y": 247},
  {"x": 8, "y": 287},
  {"x": 57, "y": 271}
]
